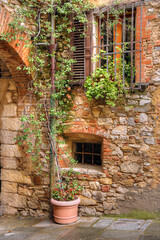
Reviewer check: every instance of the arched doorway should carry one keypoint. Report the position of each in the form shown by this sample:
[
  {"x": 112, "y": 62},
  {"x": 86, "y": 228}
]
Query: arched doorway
[{"x": 13, "y": 85}]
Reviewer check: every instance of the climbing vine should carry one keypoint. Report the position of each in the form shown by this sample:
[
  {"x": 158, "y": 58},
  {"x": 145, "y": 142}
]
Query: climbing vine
[
  {"x": 32, "y": 18},
  {"x": 50, "y": 88}
]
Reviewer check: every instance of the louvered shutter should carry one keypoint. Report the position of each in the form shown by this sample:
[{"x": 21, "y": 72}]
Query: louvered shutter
[
  {"x": 78, "y": 54},
  {"x": 88, "y": 45}
]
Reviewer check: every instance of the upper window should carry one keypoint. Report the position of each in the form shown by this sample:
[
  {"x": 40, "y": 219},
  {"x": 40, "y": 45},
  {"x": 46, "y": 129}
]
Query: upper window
[
  {"x": 113, "y": 35},
  {"x": 87, "y": 153}
]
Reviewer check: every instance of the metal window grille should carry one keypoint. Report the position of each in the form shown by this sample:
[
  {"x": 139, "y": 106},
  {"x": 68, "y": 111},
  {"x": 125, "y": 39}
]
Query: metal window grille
[
  {"x": 88, "y": 153},
  {"x": 108, "y": 40}
]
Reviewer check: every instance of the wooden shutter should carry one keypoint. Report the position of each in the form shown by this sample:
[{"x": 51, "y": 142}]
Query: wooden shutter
[
  {"x": 88, "y": 46},
  {"x": 78, "y": 54}
]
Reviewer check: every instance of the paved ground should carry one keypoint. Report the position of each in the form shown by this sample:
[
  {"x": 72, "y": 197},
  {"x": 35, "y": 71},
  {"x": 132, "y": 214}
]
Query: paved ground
[{"x": 86, "y": 228}]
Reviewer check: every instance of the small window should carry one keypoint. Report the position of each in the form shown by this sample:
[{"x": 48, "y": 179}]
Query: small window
[{"x": 88, "y": 153}]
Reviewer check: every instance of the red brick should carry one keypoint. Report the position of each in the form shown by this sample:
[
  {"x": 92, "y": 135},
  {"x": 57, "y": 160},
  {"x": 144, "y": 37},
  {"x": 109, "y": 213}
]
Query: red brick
[
  {"x": 105, "y": 188},
  {"x": 107, "y": 150}
]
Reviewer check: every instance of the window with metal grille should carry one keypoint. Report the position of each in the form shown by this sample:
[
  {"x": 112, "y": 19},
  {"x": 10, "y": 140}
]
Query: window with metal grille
[
  {"x": 88, "y": 153},
  {"x": 113, "y": 38}
]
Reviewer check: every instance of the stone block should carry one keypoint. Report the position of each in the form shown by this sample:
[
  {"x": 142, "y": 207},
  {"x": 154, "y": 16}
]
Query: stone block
[
  {"x": 8, "y": 137},
  {"x": 10, "y": 210},
  {"x": 117, "y": 151},
  {"x": 128, "y": 182},
  {"x": 11, "y": 123},
  {"x": 143, "y": 117},
  {"x": 32, "y": 205},
  {"x": 142, "y": 184},
  {"x": 14, "y": 200},
  {"x": 106, "y": 181},
  {"x": 9, "y": 97},
  {"x": 122, "y": 120},
  {"x": 132, "y": 102},
  {"x": 25, "y": 191},
  {"x": 45, "y": 206},
  {"x": 105, "y": 121},
  {"x": 108, "y": 206},
  {"x": 24, "y": 213},
  {"x": 9, "y": 187},
  {"x": 120, "y": 130},
  {"x": 12, "y": 86},
  {"x": 9, "y": 110},
  {"x": 95, "y": 185},
  {"x": 143, "y": 102},
  {"x": 87, "y": 193},
  {"x": 99, "y": 196},
  {"x": 131, "y": 121},
  {"x": 129, "y": 167},
  {"x": 9, "y": 163},
  {"x": 150, "y": 141},
  {"x": 15, "y": 176},
  {"x": 113, "y": 170},
  {"x": 96, "y": 112},
  {"x": 87, "y": 201},
  {"x": 122, "y": 190},
  {"x": 89, "y": 211},
  {"x": 10, "y": 151}
]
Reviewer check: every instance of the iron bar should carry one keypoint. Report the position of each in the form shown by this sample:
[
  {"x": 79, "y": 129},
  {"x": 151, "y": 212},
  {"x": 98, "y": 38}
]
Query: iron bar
[
  {"x": 89, "y": 153},
  {"x": 128, "y": 51},
  {"x": 132, "y": 47},
  {"x": 91, "y": 45},
  {"x": 113, "y": 44},
  {"x": 107, "y": 35},
  {"x": 92, "y": 153},
  {"x": 115, "y": 49},
  {"x": 82, "y": 153},
  {"x": 99, "y": 25},
  {"x": 84, "y": 52},
  {"x": 124, "y": 29},
  {"x": 141, "y": 44}
]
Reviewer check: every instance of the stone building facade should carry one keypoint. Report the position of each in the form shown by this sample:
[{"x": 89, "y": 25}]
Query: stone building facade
[{"x": 129, "y": 175}]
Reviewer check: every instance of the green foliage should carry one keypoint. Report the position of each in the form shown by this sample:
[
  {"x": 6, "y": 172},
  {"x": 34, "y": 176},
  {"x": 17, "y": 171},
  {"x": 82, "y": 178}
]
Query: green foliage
[
  {"x": 106, "y": 85},
  {"x": 33, "y": 19}
]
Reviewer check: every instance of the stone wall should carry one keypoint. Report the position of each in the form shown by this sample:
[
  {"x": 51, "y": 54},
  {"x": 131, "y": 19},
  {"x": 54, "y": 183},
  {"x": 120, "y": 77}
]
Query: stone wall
[
  {"x": 24, "y": 190},
  {"x": 129, "y": 134}
]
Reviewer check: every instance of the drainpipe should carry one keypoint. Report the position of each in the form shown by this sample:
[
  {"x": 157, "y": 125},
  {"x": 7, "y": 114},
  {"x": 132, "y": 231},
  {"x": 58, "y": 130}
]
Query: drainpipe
[{"x": 53, "y": 104}]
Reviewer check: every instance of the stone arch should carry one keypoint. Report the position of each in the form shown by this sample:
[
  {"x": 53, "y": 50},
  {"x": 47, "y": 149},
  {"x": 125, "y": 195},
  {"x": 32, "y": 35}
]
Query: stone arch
[
  {"x": 13, "y": 84},
  {"x": 19, "y": 49}
]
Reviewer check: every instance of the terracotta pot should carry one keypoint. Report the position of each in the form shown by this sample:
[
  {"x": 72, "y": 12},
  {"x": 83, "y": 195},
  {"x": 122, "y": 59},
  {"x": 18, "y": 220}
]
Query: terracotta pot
[{"x": 65, "y": 212}]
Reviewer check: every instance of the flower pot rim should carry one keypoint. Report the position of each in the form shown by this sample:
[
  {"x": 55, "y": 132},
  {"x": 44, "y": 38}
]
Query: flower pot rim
[{"x": 65, "y": 203}]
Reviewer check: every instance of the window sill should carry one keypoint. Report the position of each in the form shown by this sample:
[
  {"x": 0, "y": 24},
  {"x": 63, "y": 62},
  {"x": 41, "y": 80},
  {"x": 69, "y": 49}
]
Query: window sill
[{"x": 87, "y": 169}]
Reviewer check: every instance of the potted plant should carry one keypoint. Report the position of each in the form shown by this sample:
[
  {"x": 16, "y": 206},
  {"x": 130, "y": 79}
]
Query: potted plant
[{"x": 65, "y": 200}]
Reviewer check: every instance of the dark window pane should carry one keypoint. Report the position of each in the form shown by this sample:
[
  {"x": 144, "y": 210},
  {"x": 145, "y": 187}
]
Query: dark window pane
[
  {"x": 97, "y": 160},
  {"x": 88, "y": 158},
  {"x": 97, "y": 148},
  {"x": 88, "y": 147},
  {"x": 78, "y": 158},
  {"x": 78, "y": 147},
  {"x": 89, "y": 150}
]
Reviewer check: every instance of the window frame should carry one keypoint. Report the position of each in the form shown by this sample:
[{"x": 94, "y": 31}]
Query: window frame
[
  {"x": 87, "y": 153},
  {"x": 136, "y": 44}
]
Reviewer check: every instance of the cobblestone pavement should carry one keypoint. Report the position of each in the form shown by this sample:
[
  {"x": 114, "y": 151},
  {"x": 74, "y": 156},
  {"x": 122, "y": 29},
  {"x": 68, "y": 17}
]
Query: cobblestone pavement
[{"x": 86, "y": 228}]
